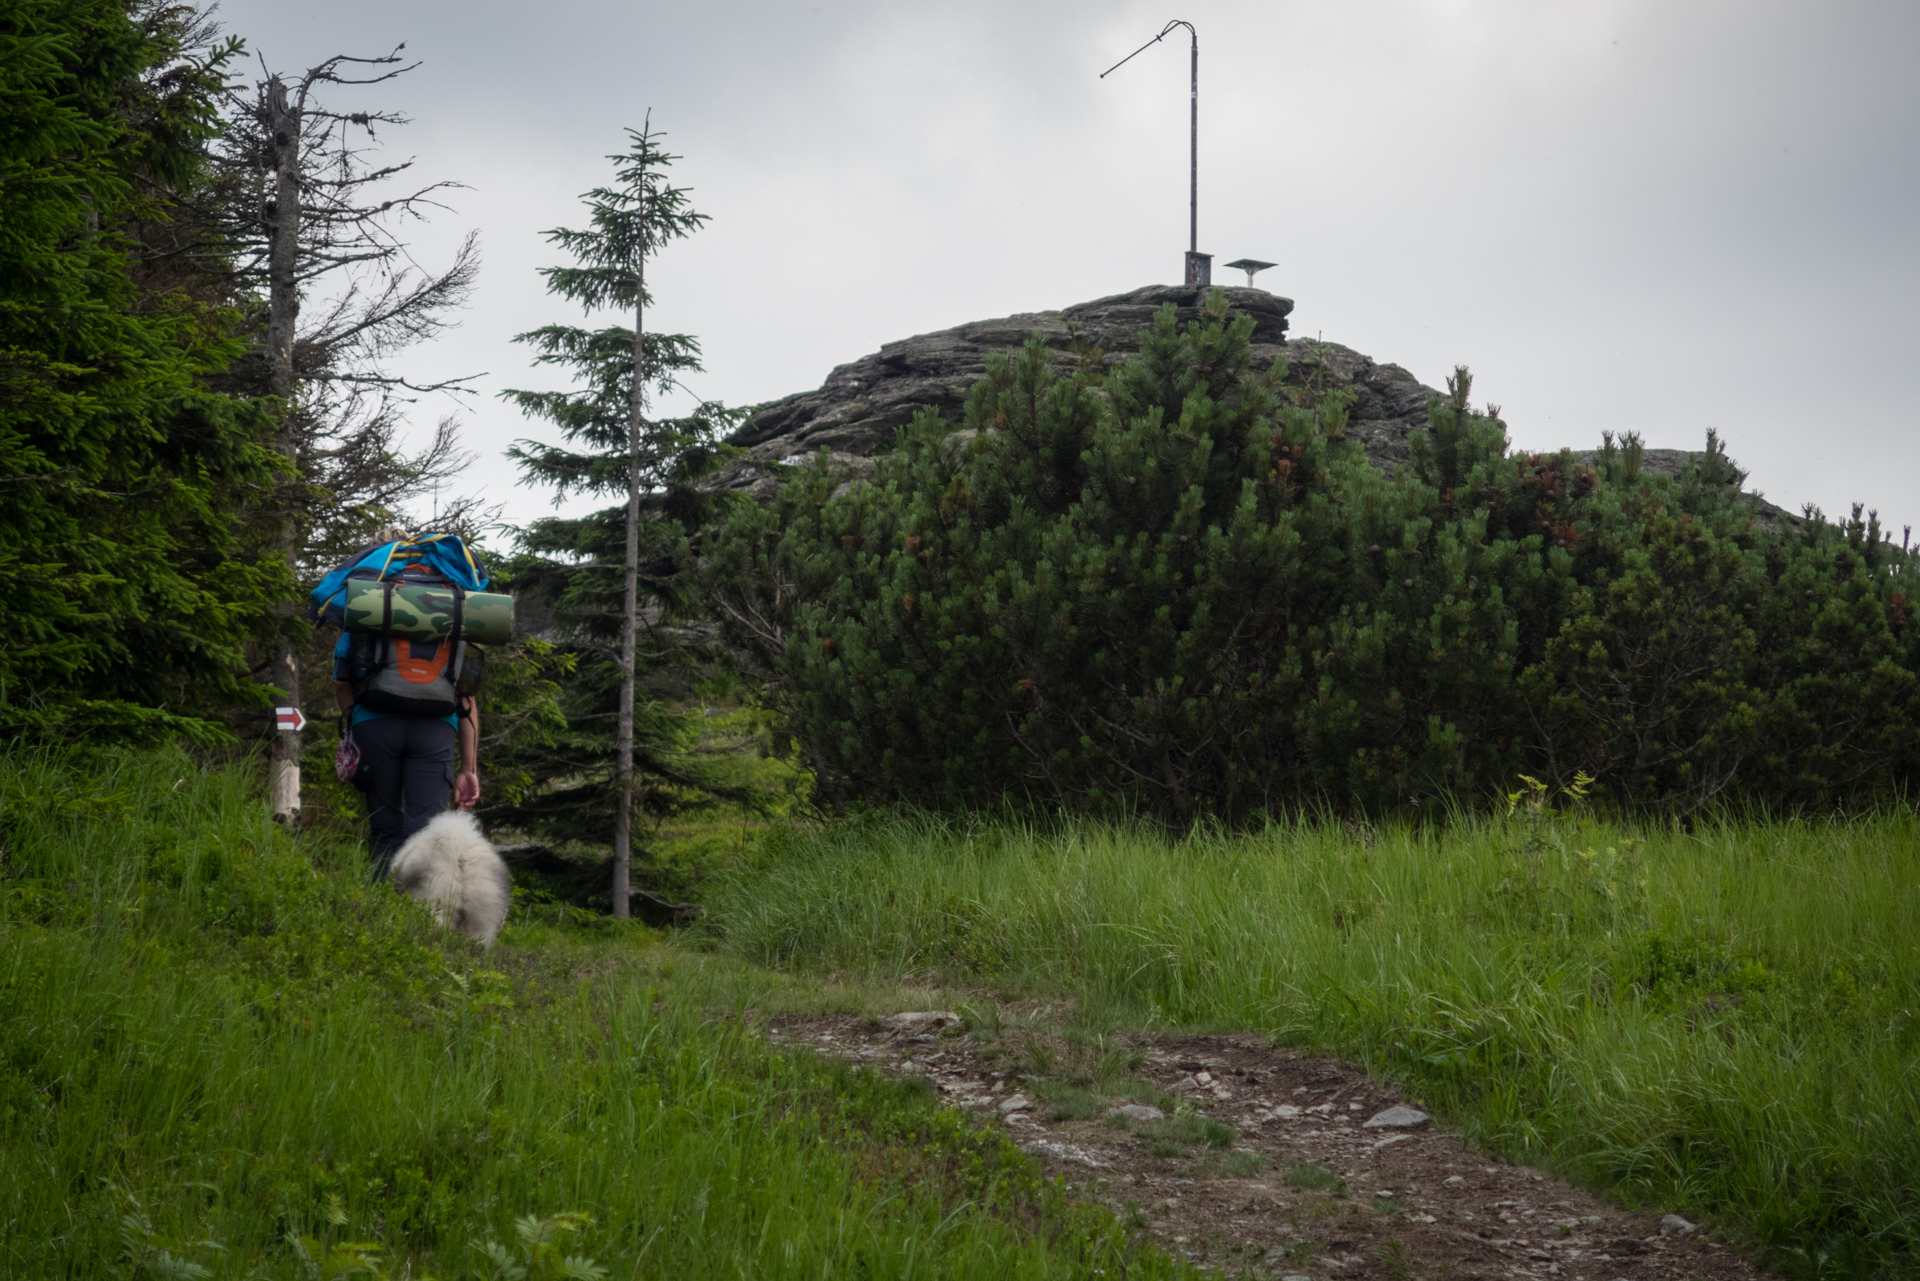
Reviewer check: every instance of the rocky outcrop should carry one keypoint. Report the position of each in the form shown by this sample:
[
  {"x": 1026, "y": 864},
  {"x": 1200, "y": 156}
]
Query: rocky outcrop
[{"x": 856, "y": 412}]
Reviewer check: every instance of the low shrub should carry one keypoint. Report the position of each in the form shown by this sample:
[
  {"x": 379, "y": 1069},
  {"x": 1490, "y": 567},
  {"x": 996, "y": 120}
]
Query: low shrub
[{"x": 1175, "y": 587}]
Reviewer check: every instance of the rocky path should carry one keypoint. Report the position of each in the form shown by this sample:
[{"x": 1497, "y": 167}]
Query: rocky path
[{"x": 1266, "y": 1162}]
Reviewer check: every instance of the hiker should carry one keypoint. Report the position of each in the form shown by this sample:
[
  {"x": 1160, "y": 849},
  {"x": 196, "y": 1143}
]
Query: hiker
[
  {"x": 406, "y": 766},
  {"x": 402, "y": 755}
]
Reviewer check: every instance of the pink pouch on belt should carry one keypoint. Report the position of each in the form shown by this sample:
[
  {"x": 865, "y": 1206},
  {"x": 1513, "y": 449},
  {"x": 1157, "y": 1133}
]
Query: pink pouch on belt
[{"x": 346, "y": 757}]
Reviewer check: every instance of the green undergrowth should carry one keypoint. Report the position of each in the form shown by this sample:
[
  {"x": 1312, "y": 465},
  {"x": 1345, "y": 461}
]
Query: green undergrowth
[
  {"x": 223, "y": 1054},
  {"x": 1720, "y": 1022}
]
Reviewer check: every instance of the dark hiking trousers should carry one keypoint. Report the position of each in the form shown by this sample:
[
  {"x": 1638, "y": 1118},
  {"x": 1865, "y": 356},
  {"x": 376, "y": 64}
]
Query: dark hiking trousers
[{"x": 406, "y": 771}]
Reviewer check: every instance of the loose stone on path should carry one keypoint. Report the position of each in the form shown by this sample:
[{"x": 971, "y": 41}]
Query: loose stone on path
[
  {"x": 1395, "y": 1116},
  {"x": 914, "y": 1021}
]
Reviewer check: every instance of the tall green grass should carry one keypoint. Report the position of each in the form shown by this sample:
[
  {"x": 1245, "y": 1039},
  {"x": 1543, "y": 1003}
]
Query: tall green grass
[
  {"x": 223, "y": 1053},
  {"x": 1720, "y": 1022}
]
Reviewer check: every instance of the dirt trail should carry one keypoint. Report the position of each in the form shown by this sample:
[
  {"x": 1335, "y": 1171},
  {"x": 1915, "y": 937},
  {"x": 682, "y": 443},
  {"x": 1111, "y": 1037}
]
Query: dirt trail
[{"x": 1263, "y": 1162}]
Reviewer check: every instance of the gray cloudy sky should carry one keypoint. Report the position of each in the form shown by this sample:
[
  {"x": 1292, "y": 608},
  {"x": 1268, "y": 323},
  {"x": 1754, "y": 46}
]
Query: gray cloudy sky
[{"x": 1652, "y": 215}]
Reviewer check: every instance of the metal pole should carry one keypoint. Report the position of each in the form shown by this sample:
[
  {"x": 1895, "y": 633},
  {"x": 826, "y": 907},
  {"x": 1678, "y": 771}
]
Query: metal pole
[{"x": 1199, "y": 266}]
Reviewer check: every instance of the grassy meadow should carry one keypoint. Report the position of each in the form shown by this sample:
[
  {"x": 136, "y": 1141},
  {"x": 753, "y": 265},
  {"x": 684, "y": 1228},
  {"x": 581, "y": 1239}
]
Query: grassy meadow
[
  {"x": 1719, "y": 1022},
  {"x": 223, "y": 1054}
]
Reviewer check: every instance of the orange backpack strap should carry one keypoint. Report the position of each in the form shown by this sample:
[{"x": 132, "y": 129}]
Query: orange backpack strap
[{"x": 418, "y": 670}]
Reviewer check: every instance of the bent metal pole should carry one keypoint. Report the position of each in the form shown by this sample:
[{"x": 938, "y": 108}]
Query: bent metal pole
[
  {"x": 1193, "y": 150},
  {"x": 1193, "y": 131}
]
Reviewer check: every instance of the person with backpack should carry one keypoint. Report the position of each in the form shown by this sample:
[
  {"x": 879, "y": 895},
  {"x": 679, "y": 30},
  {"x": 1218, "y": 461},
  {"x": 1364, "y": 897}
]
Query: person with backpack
[
  {"x": 406, "y": 766},
  {"x": 411, "y": 732}
]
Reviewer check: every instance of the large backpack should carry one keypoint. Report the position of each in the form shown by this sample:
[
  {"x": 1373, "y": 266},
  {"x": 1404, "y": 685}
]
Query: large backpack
[
  {"x": 399, "y": 677},
  {"x": 429, "y": 672}
]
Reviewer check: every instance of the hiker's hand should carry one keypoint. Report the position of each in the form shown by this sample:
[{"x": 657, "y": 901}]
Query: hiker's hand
[{"x": 466, "y": 789}]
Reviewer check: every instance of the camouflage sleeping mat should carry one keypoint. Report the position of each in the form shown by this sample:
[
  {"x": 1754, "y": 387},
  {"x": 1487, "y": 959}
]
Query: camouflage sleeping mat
[{"x": 425, "y": 613}]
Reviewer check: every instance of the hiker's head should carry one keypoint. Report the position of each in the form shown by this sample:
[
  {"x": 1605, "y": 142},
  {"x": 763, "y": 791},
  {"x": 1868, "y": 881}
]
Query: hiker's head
[{"x": 392, "y": 534}]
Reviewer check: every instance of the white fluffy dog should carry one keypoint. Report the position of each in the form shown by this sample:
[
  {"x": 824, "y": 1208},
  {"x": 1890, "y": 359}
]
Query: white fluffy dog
[{"x": 452, "y": 865}]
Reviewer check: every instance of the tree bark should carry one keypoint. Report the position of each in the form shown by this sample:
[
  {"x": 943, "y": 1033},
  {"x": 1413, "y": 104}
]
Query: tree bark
[
  {"x": 283, "y": 302},
  {"x": 629, "y": 620}
]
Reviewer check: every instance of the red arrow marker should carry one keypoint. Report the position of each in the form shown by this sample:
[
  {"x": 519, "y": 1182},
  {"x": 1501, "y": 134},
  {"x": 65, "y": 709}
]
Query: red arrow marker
[{"x": 289, "y": 719}]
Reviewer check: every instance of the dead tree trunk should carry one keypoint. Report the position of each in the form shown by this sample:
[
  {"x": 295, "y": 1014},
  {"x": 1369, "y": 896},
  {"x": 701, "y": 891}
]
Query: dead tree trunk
[
  {"x": 299, "y": 210},
  {"x": 283, "y": 313}
]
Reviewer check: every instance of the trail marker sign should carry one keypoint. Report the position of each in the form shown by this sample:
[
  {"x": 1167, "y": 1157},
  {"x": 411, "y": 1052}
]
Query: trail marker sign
[{"x": 289, "y": 719}]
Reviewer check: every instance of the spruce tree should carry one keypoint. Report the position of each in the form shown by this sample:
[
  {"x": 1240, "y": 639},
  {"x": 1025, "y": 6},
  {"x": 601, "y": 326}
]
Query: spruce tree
[
  {"x": 612, "y": 445},
  {"x": 125, "y": 593}
]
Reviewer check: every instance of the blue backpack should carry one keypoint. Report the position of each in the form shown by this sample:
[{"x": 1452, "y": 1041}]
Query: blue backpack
[{"x": 446, "y": 555}]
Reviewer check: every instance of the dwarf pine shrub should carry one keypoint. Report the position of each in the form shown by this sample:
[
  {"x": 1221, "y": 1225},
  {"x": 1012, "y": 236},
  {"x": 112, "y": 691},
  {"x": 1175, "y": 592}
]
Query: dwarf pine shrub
[{"x": 1175, "y": 587}]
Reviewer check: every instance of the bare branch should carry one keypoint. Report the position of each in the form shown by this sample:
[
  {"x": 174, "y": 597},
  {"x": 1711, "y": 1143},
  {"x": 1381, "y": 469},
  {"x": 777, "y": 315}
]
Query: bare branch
[{"x": 457, "y": 385}]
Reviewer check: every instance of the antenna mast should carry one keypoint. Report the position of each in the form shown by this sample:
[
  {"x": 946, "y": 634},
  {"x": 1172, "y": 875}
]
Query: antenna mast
[{"x": 1199, "y": 266}]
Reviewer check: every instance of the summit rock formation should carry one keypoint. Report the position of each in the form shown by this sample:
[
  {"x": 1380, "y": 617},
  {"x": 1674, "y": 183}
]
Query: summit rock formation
[{"x": 856, "y": 412}]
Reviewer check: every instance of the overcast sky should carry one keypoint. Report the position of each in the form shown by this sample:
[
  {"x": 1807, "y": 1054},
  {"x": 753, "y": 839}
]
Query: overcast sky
[{"x": 1651, "y": 215}]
